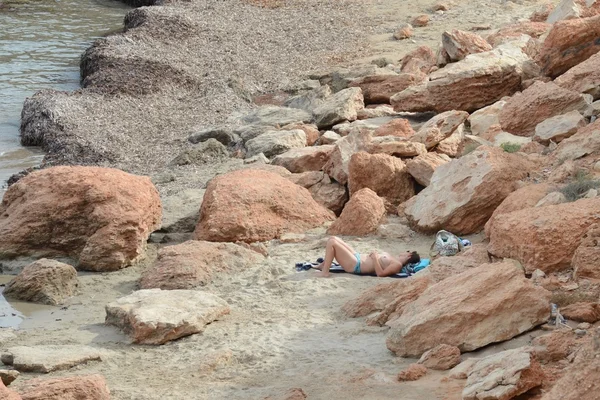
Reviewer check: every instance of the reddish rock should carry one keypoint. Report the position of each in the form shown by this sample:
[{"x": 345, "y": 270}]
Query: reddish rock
[
  {"x": 422, "y": 167},
  {"x": 453, "y": 145},
  {"x": 464, "y": 193},
  {"x": 459, "y": 44},
  {"x": 304, "y": 159},
  {"x": 568, "y": 44},
  {"x": 337, "y": 166},
  {"x": 376, "y": 111},
  {"x": 532, "y": 148},
  {"x": 585, "y": 141},
  {"x": 585, "y": 259},
  {"x": 542, "y": 13},
  {"x": 441, "y": 357},
  {"x": 395, "y": 146},
  {"x": 485, "y": 119},
  {"x": 403, "y": 32},
  {"x": 397, "y": 127},
  {"x": 385, "y": 175},
  {"x": 7, "y": 394},
  {"x": 493, "y": 312},
  {"x": 253, "y": 205},
  {"x": 307, "y": 179},
  {"x": 583, "y": 77},
  {"x": 420, "y": 60},
  {"x": 100, "y": 217},
  {"x": 439, "y": 128},
  {"x": 472, "y": 257},
  {"x": 311, "y": 131},
  {"x": 412, "y": 373},
  {"x": 582, "y": 312},
  {"x": 378, "y": 89},
  {"x": 541, "y": 228},
  {"x": 420, "y": 20},
  {"x": 330, "y": 195},
  {"x": 555, "y": 346},
  {"x": 196, "y": 263},
  {"x": 525, "y": 110},
  {"x": 559, "y": 127},
  {"x": 361, "y": 216},
  {"x": 513, "y": 31},
  {"x": 88, "y": 387}
]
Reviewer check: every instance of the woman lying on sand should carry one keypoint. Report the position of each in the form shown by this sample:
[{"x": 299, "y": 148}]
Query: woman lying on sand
[{"x": 354, "y": 263}]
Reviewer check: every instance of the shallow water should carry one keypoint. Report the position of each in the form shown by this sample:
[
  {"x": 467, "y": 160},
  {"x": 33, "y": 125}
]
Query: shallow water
[{"x": 40, "y": 45}]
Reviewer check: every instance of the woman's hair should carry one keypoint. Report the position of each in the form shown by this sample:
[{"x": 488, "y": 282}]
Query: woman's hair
[{"x": 414, "y": 258}]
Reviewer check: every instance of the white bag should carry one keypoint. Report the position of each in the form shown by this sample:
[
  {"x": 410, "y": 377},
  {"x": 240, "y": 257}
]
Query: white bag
[{"x": 446, "y": 244}]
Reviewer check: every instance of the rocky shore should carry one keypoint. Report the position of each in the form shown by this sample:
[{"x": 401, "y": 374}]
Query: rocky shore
[{"x": 214, "y": 144}]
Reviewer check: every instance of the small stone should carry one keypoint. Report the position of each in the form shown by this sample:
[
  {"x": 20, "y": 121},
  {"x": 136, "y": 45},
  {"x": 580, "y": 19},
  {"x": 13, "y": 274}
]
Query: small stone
[
  {"x": 421, "y": 20},
  {"x": 584, "y": 326},
  {"x": 441, "y": 357},
  {"x": 8, "y": 376},
  {"x": 580, "y": 332},
  {"x": 329, "y": 137},
  {"x": 441, "y": 6},
  {"x": 412, "y": 373},
  {"x": 260, "y": 158},
  {"x": 404, "y": 32}
]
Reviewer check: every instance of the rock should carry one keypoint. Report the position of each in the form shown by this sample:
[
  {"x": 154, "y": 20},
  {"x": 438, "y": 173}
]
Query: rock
[
  {"x": 453, "y": 145},
  {"x": 311, "y": 131},
  {"x": 420, "y": 20},
  {"x": 585, "y": 259},
  {"x": 470, "y": 84},
  {"x": 541, "y": 228},
  {"x": 385, "y": 175},
  {"x": 442, "y": 6},
  {"x": 397, "y": 127},
  {"x": 272, "y": 143},
  {"x": 337, "y": 166},
  {"x": 378, "y": 89},
  {"x": 552, "y": 199},
  {"x": 7, "y": 394},
  {"x": 555, "y": 346},
  {"x": 395, "y": 146},
  {"x": 208, "y": 151},
  {"x": 8, "y": 376},
  {"x": 196, "y": 263},
  {"x": 474, "y": 298},
  {"x": 579, "y": 381},
  {"x": 405, "y": 31},
  {"x": 44, "y": 281},
  {"x": 482, "y": 120},
  {"x": 254, "y": 205},
  {"x": 566, "y": 9},
  {"x": 583, "y": 77},
  {"x": 423, "y": 166},
  {"x": 513, "y": 31},
  {"x": 522, "y": 112},
  {"x": 503, "y": 376},
  {"x": 100, "y": 217},
  {"x": 422, "y": 60},
  {"x": 541, "y": 13},
  {"x": 361, "y": 216},
  {"x": 307, "y": 179},
  {"x": 439, "y": 128},
  {"x": 568, "y": 44},
  {"x": 310, "y": 100},
  {"x": 49, "y": 358},
  {"x": 329, "y": 137},
  {"x": 502, "y": 139},
  {"x": 463, "y": 194},
  {"x": 441, "y": 357},
  {"x": 340, "y": 79},
  {"x": 304, "y": 159},
  {"x": 412, "y": 373},
  {"x": 249, "y": 132},
  {"x": 223, "y": 135},
  {"x": 584, "y": 142},
  {"x": 462, "y": 370},
  {"x": 559, "y": 127},
  {"x": 472, "y": 257},
  {"x": 330, "y": 195},
  {"x": 459, "y": 44},
  {"x": 155, "y": 316},
  {"x": 376, "y": 111},
  {"x": 88, "y": 387},
  {"x": 582, "y": 312},
  {"x": 180, "y": 211},
  {"x": 275, "y": 116},
  {"x": 342, "y": 106}
]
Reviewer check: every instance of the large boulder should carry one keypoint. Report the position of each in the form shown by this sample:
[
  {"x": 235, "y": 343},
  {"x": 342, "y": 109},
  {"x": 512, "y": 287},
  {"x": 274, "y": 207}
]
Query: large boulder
[
  {"x": 569, "y": 43},
  {"x": 254, "y": 205},
  {"x": 585, "y": 259},
  {"x": 439, "y": 128},
  {"x": 422, "y": 59},
  {"x": 395, "y": 146},
  {"x": 558, "y": 128},
  {"x": 485, "y": 119},
  {"x": 196, "y": 263},
  {"x": 580, "y": 380},
  {"x": 441, "y": 357},
  {"x": 44, "y": 281},
  {"x": 585, "y": 141},
  {"x": 463, "y": 193},
  {"x": 459, "y": 44},
  {"x": 582, "y": 312},
  {"x": 385, "y": 175},
  {"x": 304, "y": 159},
  {"x": 397, "y": 127},
  {"x": 495, "y": 301},
  {"x": 49, "y": 358},
  {"x": 361, "y": 215},
  {"x": 180, "y": 210},
  {"x": 88, "y": 387},
  {"x": 7, "y": 394},
  {"x": 155, "y": 316},
  {"x": 337, "y": 166},
  {"x": 422, "y": 167},
  {"x": 531, "y": 235},
  {"x": 522, "y": 112},
  {"x": 444, "y": 267},
  {"x": 342, "y": 106},
  {"x": 513, "y": 31},
  {"x": 378, "y": 89},
  {"x": 272, "y": 143},
  {"x": 99, "y": 217},
  {"x": 583, "y": 77},
  {"x": 503, "y": 376}
]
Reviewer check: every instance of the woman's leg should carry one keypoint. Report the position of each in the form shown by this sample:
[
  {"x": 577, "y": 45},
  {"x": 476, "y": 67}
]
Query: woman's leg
[{"x": 337, "y": 249}]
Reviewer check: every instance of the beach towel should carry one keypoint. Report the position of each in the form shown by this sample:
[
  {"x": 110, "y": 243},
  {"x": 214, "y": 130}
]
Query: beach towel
[{"x": 406, "y": 271}]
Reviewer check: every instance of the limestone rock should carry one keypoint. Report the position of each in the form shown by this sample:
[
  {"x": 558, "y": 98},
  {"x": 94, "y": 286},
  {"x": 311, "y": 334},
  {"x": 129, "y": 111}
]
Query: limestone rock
[
  {"x": 272, "y": 143},
  {"x": 579, "y": 382},
  {"x": 310, "y": 130},
  {"x": 453, "y": 145},
  {"x": 361, "y": 215},
  {"x": 420, "y": 20},
  {"x": 304, "y": 159},
  {"x": 582, "y": 312},
  {"x": 474, "y": 298},
  {"x": 7, "y": 394},
  {"x": 48, "y": 358},
  {"x": 472, "y": 257},
  {"x": 180, "y": 210},
  {"x": 253, "y": 205},
  {"x": 8, "y": 376},
  {"x": 422, "y": 59},
  {"x": 584, "y": 142},
  {"x": 397, "y": 127},
  {"x": 585, "y": 259},
  {"x": 422, "y": 167},
  {"x": 525, "y": 110},
  {"x": 101, "y": 217},
  {"x": 462, "y": 370},
  {"x": 566, "y": 9},
  {"x": 376, "y": 111},
  {"x": 44, "y": 281},
  {"x": 88, "y": 387},
  {"x": 405, "y": 31},
  {"x": 310, "y": 100},
  {"x": 541, "y": 228},
  {"x": 441, "y": 357},
  {"x": 337, "y": 166},
  {"x": 342, "y": 106},
  {"x": 541, "y": 13},
  {"x": 412, "y": 373},
  {"x": 385, "y": 175},
  {"x": 503, "y": 376},
  {"x": 481, "y": 120},
  {"x": 378, "y": 89},
  {"x": 555, "y": 346},
  {"x": 459, "y": 44},
  {"x": 395, "y": 146},
  {"x": 275, "y": 116},
  {"x": 513, "y": 31},
  {"x": 155, "y": 316},
  {"x": 223, "y": 135},
  {"x": 463, "y": 194},
  {"x": 330, "y": 195},
  {"x": 551, "y": 199},
  {"x": 439, "y": 128},
  {"x": 583, "y": 77},
  {"x": 329, "y": 137},
  {"x": 307, "y": 179},
  {"x": 559, "y": 127},
  {"x": 196, "y": 263}
]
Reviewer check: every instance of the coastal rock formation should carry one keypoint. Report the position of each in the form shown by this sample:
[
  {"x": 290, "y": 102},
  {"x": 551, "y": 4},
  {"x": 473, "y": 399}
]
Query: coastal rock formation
[
  {"x": 422, "y": 59},
  {"x": 342, "y": 106},
  {"x": 304, "y": 159},
  {"x": 493, "y": 312},
  {"x": 397, "y": 127},
  {"x": 337, "y": 166},
  {"x": 44, "y": 281},
  {"x": 378, "y": 89},
  {"x": 459, "y": 44},
  {"x": 558, "y": 128},
  {"x": 253, "y": 205},
  {"x": 585, "y": 259},
  {"x": 89, "y": 387},
  {"x": 361, "y": 215},
  {"x": 471, "y": 257},
  {"x": 100, "y": 217},
  {"x": 585, "y": 141},
  {"x": 422, "y": 167},
  {"x": 582, "y": 312},
  {"x": 513, "y": 31},
  {"x": 441, "y": 357},
  {"x": 439, "y": 128},
  {"x": 583, "y": 77},
  {"x": 49, "y": 358},
  {"x": 272, "y": 143},
  {"x": 155, "y": 316},
  {"x": 395, "y": 146}
]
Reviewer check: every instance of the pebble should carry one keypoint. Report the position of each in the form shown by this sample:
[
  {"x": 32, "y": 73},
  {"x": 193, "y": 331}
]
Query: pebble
[
  {"x": 580, "y": 332},
  {"x": 584, "y": 326}
]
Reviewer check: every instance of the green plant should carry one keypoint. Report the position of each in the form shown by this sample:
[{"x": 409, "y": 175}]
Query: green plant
[
  {"x": 510, "y": 147},
  {"x": 579, "y": 187}
]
